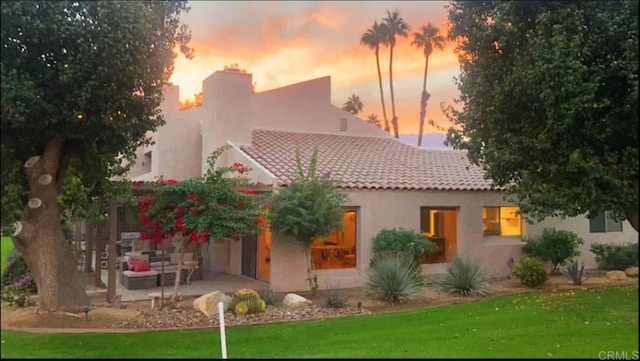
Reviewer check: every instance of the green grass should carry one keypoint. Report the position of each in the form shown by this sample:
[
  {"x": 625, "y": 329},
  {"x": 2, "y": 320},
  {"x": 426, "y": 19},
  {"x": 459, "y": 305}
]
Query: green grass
[
  {"x": 539, "y": 325},
  {"x": 7, "y": 246}
]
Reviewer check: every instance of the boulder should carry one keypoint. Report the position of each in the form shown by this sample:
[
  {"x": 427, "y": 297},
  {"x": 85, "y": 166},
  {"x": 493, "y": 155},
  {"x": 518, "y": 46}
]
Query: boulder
[
  {"x": 292, "y": 300},
  {"x": 208, "y": 304},
  {"x": 632, "y": 272},
  {"x": 616, "y": 275}
]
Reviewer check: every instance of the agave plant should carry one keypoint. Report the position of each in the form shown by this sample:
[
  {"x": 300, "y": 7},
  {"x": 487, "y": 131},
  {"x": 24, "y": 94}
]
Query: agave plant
[
  {"x": 394, "y": 277},
  {"x": 574, "y": 272},
  {"x": 465, "y": 277}
]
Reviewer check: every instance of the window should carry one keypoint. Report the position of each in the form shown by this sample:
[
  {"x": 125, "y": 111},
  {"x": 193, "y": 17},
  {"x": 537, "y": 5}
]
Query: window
[
  {"x": 440, "y": 225},
  {"x": 501, "y": 221},
  {"x": 603, "y": 223},
  {"x": 338, "y": 250}
]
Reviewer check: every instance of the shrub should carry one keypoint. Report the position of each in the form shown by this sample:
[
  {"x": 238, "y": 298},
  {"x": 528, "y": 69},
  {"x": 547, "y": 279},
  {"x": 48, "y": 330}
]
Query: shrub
[
  {"x": 556, "y": 246},
  {"x": 394, "y": 277},
  {"x": 574, "y": 272},
  {"x": 16, "y": 269},
  {"x": 18, "y": 292},
  {"x": 270, "y": 296},
  {"x": 334, "y": 299},
  {"x": 530, "y": 272},
  {"x": 615, "y": 256},
  {"x": 404, "y": 241},
  {"x": 465, "y": 277}
]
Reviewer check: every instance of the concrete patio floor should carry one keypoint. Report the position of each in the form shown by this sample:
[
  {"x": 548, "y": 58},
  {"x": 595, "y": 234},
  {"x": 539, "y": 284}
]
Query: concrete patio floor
[{"x": 211, "y": 282}]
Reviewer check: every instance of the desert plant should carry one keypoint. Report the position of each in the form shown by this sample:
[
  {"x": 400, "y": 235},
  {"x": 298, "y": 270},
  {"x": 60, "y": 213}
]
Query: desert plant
[
  {"x": 334, "y": 298},
  {"x": 611, "y": 256},
  {"x": 270, "y": 296},
  {"x": 554, "y": 245},
  {"x": 530, "y": 272},
  {"x": 16, "y": 270},
  {"x": 465, "y": 277},
  {"x": 400, "y": 240},
  {"x": 394, "y": 277},
  {"x": 249, "y": 298},
  {"x": 241, "y": 309},
  {"x": 574, "y": 272}
]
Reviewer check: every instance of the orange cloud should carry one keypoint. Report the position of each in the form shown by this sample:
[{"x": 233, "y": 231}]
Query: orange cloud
[{"x": 288, "y": 42}]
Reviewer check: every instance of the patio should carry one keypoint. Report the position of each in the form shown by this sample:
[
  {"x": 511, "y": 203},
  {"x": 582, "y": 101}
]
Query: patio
[{"x": 211, "y": 282}]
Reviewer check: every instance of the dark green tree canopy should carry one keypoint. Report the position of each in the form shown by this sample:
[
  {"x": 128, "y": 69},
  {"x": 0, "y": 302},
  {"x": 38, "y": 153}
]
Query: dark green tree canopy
[
  {"x": 549, "y": 93},
  {"x": 84, "y": 78}
]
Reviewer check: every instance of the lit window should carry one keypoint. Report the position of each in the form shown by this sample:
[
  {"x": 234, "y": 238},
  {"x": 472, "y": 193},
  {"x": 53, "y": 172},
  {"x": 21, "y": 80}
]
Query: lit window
[
  {"x": 603, "y": 223},
  {"x": 501, "y": 221},
  {"x": 338, "y": 250}
]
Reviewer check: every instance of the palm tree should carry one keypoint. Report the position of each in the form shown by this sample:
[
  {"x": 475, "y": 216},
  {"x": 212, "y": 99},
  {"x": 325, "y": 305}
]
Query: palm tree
[
  {"x": 353, "y": 105},
  {"x": 375, "y": 36},
  {"x": 395, "y": 26},
  {"x": 429, "y": 38},
  {"x": 373, "y": 119}
]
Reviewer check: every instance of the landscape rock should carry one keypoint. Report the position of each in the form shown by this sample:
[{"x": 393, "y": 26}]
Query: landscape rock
[
  {"x": 632, "y": 272},
  {"x": 292, "y": 300},
  {"x": 208, "y": 304},
  {"x": 616, "y": 275}
]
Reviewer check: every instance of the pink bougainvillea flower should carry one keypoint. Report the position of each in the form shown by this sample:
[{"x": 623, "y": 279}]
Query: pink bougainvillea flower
[{"x": 172, "y": 182}]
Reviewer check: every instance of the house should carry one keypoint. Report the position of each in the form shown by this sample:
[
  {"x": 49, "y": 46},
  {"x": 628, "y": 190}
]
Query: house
[{"x": 389, "y": 183}]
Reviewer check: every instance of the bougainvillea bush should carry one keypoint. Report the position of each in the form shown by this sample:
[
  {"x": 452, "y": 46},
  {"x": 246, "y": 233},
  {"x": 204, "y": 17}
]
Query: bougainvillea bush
[{"x": 217, "y": 206}]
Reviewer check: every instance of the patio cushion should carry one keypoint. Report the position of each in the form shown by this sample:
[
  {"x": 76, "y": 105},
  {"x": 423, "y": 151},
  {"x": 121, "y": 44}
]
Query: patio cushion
[
  {"x": 140, "y": 274},
  {"x": 159, "y": 264}
]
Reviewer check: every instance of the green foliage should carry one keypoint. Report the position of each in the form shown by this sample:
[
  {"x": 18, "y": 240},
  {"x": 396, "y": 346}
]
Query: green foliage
[
  {"x": 88, "y": 74},
  {"x": 404, "y": 241},
  {"x": 530, "y": 272},
  {"x": 353, "y": 105},
  {"x": 555, "y": 246},
  {"x": 550, "y": 102},
  {"x": 247, "y": 298},
  {"x": 15, "y": 296},
  {"x": 465, "y": 277},
  {"x": 270, "y": 296},
  {"x": 574, "y": 272},
  {"x": 394, "y": 277},
  {"x": 333, "y": 298},
  {"x": 615, "y": 256},
  {"x": 17, "y": 270},
  {"x": 309, "y": 208}
]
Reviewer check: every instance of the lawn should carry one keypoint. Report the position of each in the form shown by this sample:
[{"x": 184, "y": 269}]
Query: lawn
[
  {"x": 7, "y": 246},
  {"x": 556, "y": 324}
]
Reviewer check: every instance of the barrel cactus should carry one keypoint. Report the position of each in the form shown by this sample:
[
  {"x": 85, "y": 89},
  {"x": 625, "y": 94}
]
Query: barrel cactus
[
  {"x": 250, "y": 298},
  {"x": 241, "y": 309}
]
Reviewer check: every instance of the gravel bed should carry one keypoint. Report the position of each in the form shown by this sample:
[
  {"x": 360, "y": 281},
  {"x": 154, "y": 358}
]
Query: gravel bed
[{"x": 189, "y": 318}]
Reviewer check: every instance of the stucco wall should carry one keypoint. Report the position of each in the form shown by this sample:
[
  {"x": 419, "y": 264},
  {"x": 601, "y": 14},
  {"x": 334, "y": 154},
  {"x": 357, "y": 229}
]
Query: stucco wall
[{"x": 388, "y": 209}]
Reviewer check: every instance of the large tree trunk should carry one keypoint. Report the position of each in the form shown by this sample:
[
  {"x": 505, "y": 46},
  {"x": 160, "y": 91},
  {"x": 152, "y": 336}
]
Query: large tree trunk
[
  {"x": 384, "y": 108},
  {"x": 423, "y": 102},
  {"x": 97, "y": 279},
  {"x": 394, "y": 119},
  {"x": 40, "y": 240}
]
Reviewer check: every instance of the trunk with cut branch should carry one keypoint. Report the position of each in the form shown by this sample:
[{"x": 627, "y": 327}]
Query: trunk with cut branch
[
  {"x": 384, "y": 108},
  {"x": 176, "y": 287},
  {"x": 40, "y": 240},
  {"x": 394, "y": 118}
]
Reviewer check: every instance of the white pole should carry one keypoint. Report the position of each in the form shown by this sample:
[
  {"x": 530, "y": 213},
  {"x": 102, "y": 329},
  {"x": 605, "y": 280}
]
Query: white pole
[{"x": 223, "y": 338}]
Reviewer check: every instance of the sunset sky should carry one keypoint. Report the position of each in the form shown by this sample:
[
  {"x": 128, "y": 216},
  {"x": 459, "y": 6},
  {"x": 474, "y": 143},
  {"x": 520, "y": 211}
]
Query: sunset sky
[{"x": 287, "y": 42}]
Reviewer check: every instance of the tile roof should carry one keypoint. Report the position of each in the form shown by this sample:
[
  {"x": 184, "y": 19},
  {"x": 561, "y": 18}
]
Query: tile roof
[{"x": 366, "y": 162}]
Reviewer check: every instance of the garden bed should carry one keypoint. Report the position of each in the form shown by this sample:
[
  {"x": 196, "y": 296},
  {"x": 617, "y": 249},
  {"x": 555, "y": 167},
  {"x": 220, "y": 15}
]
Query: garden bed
[{"x": 138, "y": 315}]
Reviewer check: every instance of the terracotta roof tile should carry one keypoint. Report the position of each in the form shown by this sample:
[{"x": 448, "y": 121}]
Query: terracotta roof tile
[{"x": 366, "y": 162}]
